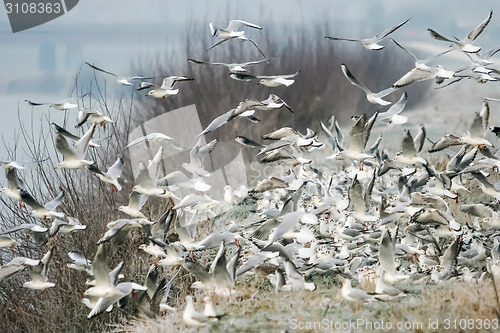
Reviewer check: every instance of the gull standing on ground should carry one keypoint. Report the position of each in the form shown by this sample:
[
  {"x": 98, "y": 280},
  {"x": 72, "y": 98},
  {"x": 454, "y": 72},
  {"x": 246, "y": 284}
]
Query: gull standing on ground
[
  {"x": 124, "y": 80},
  {"x": 232, "y": 32},
  {"x": 375, "y": 98},
  {"x": 465, "y": 44},
  {"x": 371, "y": 43}
]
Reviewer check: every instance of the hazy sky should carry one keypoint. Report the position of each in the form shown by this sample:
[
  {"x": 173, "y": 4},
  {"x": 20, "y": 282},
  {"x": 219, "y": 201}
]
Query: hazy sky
[{"x": 41, "y": 63}]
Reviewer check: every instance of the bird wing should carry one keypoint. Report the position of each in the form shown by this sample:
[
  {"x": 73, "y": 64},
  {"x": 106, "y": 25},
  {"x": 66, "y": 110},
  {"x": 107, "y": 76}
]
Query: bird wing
[
  {"x": 479, "y": 29},
  {"x": 63, "y": 147},
  {"x": 415, "y": 75},
  {"x": 82, "y": 145},
  {"x": 51, "y": 205},
  {"x": 218, "y": 122},
  {"x": 64, "y": 132},
  {"x": 353, "y": 80},
  {"x": 347, "y": 39},
  {"x": 396, "y": 108},
  {"x": 234, "y": 25},
  {"x": 100, "y": 267},
  {"x": 100, "y": 69},
  {"x": 476, "y": 129},
  {"x": 115, "y": 171},
  {"x": 284, "y": 76},
  {"x": 357, "y": 142},
  {"x": 389, "y": 31},
  {"x": 420, "y": 139},
  {"x": 30, "y": 201},
  {"x": 407, "y": 146},
  {"x": 406, "y": 50},
  {"x": 437, "y": 36}
]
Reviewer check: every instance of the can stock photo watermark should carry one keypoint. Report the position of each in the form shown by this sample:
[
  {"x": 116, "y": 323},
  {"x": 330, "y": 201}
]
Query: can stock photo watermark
[{"x": 24, "y": 14}]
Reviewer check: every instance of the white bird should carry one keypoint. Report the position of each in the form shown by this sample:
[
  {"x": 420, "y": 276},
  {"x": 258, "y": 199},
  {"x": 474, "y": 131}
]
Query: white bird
[
  {"x": 135, "y": 202},
  {"x": 118, "y": 230},
  {"x": 422, "y": 71},
  {"x": 46, "y": 211},
  {"x": 124, "y": 80},
  {"x": 277, "y": 80},
  {"x": 408, "y": 154},
  {"x": 112, "y": 175},
  {"x": 74, "y": 158},
  {"x": 372, "y": 43},
  {"x": 14, "y": 183},
  {"x": 232, "y": 32},
  {"x": 38, "y": 273},
  {"x": 16, "y": 265},
  {"x": 465, "y": 44},
  {"x": 155, "y": 137},
  {"x": 392, "y": 116},
  {"x": 233, "y": 67},
  {"x": 193, "y": 318},
  {"x": 60, "y": 105},
  {"x": 177, "y": 179},
  {"x": 92, "y": 117},
  {"x": 197, "y": 155},
  {"x": 351, "y": 294},
  {"x": 375, "y": 98},
  {"x": 359, "y": 135},
  {"x": 167, "y": 87}
]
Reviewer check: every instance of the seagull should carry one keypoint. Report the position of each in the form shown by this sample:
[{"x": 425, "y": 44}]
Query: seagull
[
  {"x": 193, "y": 318},
  {"x": 197, "y": 155},
  {"x": 233, "y": 67},
  {"x": 74, "y": 158},
  {"x": 39, "y": 233},
  {"x": 232, "y": 32},
  {"x": 79, "y": 262},
  {"x": 65, "y": 133},
  {"x": 359, "y": 135},
  {"x": 245, "y": 108},
  {"x": 46, "y": 211},
  {"x": 422, "y": 72},
  {"x": 14, "y": 183},
  {"x": 351, "y": 294},
  {"x": 371, "y": 43},
  {"x": 155, "y": 137},
  {"x": 135, "y": 202},
  {"x": 267, "y": 80},
  {"x": 60, "y": 105},
  {"x": 465, "y": 45},
  {"x": 111, "y": 176},
  {"x": 167, "y": 87},
  {"x": 375, "y": 98},
  {"x": 16, "y": 265},
  {"x": 177, "y": 179},
  {"x": 392, "y": 116},
  {"x": 124, "y": 80},
  {"x": 92, "y": 117},
  {"x": 277, "y": 80},
  {"x": 38, "y": 273},
  {"x": 408, "y": 154},
  {"x": 118, "y": 230}
]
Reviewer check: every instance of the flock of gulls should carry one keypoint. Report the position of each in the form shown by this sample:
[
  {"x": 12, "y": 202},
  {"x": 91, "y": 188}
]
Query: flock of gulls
[{"x": 360, "y": 214}]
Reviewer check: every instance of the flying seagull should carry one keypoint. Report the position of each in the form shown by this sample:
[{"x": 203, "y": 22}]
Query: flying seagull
[
  {"x": 232, "y": 32},
  {"x": 372, "y": 43},
  {"x": 124, "y": 80},
  {"x": 375, "y": 98},
  {"x": 465, "y": 45}
]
